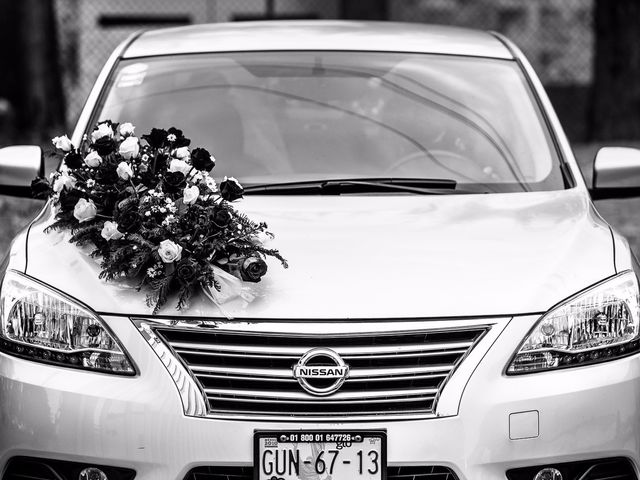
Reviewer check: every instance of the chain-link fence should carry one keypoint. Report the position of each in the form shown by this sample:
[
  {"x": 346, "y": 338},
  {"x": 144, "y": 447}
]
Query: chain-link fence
[
  {"x": 89, "y": 30},
  {"x": 556, "y": 35}
]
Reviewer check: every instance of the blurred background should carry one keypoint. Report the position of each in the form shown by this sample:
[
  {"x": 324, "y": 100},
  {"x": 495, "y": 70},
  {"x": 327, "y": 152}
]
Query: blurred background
[{"x": 586, "y": 52}]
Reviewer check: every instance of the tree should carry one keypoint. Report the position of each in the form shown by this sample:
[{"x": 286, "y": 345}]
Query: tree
[
  {"x": 30, "y": 78},
  {"x": 615, "y": 111}
]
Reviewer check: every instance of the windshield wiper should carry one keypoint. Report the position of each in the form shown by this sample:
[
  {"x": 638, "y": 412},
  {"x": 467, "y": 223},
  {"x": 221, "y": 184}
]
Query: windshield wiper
[{"x": 421, "y": 186}]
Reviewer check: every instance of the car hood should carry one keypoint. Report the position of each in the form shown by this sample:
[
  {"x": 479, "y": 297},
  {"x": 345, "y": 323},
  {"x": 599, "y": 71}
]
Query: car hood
[{"x": 383, "y": 256}]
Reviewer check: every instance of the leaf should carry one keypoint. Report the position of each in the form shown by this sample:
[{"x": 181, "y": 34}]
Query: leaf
[
  {"x": 160, "y": 291},
  {"x": 185, "y": 296},
  {"x": 85, "y": 234}
]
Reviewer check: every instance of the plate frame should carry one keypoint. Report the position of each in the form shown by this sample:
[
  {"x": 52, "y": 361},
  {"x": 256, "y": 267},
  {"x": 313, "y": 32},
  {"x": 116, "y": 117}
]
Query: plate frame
[{"x": 382, "y": 433}]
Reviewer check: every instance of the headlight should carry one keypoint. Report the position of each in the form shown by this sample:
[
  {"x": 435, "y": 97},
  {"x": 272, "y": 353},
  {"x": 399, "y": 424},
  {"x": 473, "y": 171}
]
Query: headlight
[
  {"x": 596, "y": 325},
  {"x": 38, "y": 323}
]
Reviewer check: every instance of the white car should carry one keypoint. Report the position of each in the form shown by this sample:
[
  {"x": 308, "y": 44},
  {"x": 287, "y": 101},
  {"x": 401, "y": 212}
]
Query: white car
[{"x": 455, "y": 307}]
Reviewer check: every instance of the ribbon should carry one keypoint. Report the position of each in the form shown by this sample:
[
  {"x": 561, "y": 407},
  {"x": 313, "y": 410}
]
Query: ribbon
[{"x": 231, "y": 288}]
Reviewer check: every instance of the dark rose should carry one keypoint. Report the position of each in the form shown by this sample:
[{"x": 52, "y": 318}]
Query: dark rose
[
  {"x": 202, "y": 160},
  {"x": 111, "y": 160},
  {"x": 221, "y": 218},
  {"x": 68, "y": 199},
  {"x": 187, "y": 271},
  {"x": 156, "y": 137},
  {"x": 174, "y": 181},
  {"x": 180, "y": 141},
  {"x": 160, "y": 163},
  {"x": 104, "y": 146},
  {"x": 73, "y": 159},
  {"x": 129, "y": 221},
  {"x": 40, "y": 188},
  {"x": 230, "y": 189},
  {"x": 107, "y": 174},
  {"x": 107, "y": 201},
  {"x": 252, "y": 269}
]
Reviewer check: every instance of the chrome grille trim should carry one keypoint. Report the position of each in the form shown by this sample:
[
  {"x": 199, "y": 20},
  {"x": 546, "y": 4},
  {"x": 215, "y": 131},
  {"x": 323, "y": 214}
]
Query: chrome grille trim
[
  {"x": 286, "y": 373},
  {"x": 306, "y": 398},
  {"x": 243, "y": 368},
  {"x": 192, "y": 402},
  {"x": 342, "y": 351}
]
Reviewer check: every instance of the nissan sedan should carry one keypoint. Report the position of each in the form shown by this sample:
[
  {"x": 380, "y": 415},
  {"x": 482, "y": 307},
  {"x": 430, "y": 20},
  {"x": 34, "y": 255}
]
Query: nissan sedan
[{"x": 455, "y": 307}]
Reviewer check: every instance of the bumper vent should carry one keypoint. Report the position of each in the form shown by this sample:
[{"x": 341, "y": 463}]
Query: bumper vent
[
  {"x": 602, "y": 469},
  {"x": 251, "y": 373},
  {"x": 29, "y": 468},
  {"x": 393, "y": 473}
]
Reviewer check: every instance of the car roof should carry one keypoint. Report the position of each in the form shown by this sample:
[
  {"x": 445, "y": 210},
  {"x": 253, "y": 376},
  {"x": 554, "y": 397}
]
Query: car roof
[{"x": 325, "y": 35}]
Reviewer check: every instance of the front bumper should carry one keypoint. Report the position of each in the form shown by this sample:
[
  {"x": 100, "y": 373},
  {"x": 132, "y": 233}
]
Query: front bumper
[{"x": 575, "y": 414}]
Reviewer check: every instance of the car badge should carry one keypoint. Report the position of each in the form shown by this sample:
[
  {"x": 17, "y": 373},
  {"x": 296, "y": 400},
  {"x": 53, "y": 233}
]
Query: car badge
[{"x": 321, "y": 371}]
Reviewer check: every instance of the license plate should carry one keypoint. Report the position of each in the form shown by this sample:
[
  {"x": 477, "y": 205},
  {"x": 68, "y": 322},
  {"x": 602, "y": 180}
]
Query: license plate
[{"x": 320, "y": 455}]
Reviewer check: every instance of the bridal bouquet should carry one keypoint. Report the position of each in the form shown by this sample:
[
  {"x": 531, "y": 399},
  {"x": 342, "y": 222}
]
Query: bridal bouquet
[{"x": 154, "y": 213}]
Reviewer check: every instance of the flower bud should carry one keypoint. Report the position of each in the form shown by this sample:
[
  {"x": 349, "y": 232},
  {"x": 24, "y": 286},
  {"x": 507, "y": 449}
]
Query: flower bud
[
  {"x": 190, "y": 194},
  {"x": 93, "y": 159},
  {"x": 110, "y": 231},
  {"x": 126, "y": 129},
  {"x": 124, "y": 171},
  {"x": 129, "y": 148},
  {"x": 62, "y": 143},
  {"x": 85, "y": 210}
]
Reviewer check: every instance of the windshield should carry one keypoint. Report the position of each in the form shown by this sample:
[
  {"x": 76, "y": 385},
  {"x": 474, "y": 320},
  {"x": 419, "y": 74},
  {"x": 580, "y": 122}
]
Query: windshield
[{"x": 275, "y": 117}]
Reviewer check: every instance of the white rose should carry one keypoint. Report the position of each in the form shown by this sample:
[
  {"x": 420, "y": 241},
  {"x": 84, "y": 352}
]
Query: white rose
[
  {"x": 93, "y": 159},
  {"x": 126, "y": 129},
  {"x": 169, "y": 252},
  {"x": 102, "y": 130},
  {"x": 190, "y": 194},
  {"x": 124, "y": 171},
  {"x": 64, "y": 181},
  {"x": 110, "y": 231},
  {"x": 129, "y": 148},
  {"x": 179, "y": 166},
  {"x": 62, "y": 143},
  {"x": 85, "y": 210},
  {"x": 211, "y": 184},
  {"x": 182, "y": 153}
]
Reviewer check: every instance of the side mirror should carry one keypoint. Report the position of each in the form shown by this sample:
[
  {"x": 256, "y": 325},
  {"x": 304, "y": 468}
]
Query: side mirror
[
  {"x": 18, "y": 166},
  {"x": 616, "y": 173}
]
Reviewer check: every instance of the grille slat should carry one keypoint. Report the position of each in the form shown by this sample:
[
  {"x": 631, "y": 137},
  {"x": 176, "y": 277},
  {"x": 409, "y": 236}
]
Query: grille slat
[
  {"x": 343, "y": 351},
  {"x": 390, "y": 373},
  {"x": 282, "y": 379},
  {"x": 305, "y": 397},
  {"x": 319, "y": 402},
  {"x": 211, "y": 353},
  {"x": 286, "y": 373}
]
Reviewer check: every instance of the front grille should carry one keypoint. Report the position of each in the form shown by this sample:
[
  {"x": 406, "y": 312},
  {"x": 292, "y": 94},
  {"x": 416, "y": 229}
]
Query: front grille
[
  {"x": 431, "y": 472},
  {"x": 251, "y": 373}
]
